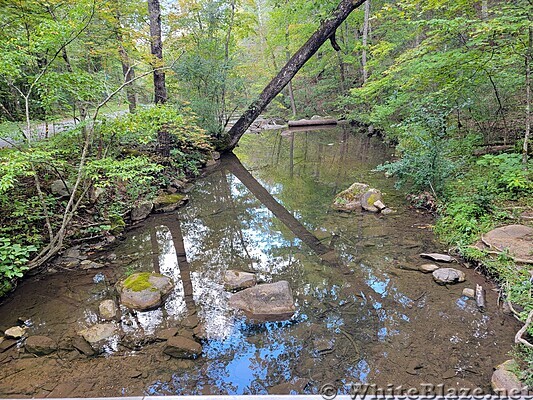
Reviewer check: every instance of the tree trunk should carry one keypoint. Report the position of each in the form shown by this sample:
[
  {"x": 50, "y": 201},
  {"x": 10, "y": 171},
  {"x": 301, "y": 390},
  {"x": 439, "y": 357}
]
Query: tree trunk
[
  {"x": 366, "y": 26},
  {"x": 484, "y": 9},
  {"x": 156, "y": 47},
  {"x": 323, "y": 33},
  {"x": 529, "y": 57}
]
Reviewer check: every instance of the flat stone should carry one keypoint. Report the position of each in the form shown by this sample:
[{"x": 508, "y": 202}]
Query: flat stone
[
  {"x": 144, "y": 291},
  {"x": 108, "y": 310},
  {"x": 200, "y": 333},
  {"x": 98, "y": 333},
  {"x": 167, "y": 333},
  {"x": 517, "y": 240},
  {"x": 238, "y": 280},
  {"x": 268, "y": 302},
  {"x": 6, "y": 344},
  {"x": 505, "y": 382},
  {"x": 82, "y": 346},
  {"x": 438, "y": 257},
  {"x": 427, "y": 268},
  {"x": 379, "y": 205},
  {"x": 15, "y": 332},
  {"x": 446, "y": 276},
  {"x": 142, "y": 211},
  {"x": 467, "y": 292},
  {"x": 350, "y": 199},
  {"x": 387, "y": 211},
  {"x": 182, "y": 347},
  {"x": 190, "y": 322},
  {"x": 88, "y": 264},
  {"x": 40, "y": 345},
  {"x": 369, "y": 198}
]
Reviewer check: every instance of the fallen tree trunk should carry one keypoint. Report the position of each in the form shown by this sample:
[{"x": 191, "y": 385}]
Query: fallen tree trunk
[
  {"x": 324, "y": 32},
  {"x": 312, "y": 122}
]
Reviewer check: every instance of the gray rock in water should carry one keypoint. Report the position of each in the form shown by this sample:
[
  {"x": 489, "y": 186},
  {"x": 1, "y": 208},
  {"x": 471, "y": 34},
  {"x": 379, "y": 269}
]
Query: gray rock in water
[
  {"x": 167, "y": 333},
  {"x": 427, "y": 268},
  {"x": 40, "y": 345},
  {"x": 505, "y": 383},
  {"x": 445, "y": 276},
  {"x": 60, "y": 188},
  {"x": 182, "y": 347},
  {"x": 142, "y": 211},
  {"x": 369, "y": 198},
  {"x": 268, "y": 302},
  {"x": 15, "y": 332},
  {"x": 238, "y": 280},
  {"x": 98, "y": 333},
  {"x": 144, "y": 290},
  {"x": 108, "y": 310},
  {"x": 438, "y": 257},
  {"x": 350, "y": 199}
]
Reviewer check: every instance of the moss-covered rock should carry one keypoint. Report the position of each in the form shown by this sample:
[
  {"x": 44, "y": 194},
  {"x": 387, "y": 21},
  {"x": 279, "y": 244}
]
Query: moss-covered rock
[
  {"x": 144, "y": 290},
  {"x": 350, "y": 199},
  {"x": 169, "y": 202}
]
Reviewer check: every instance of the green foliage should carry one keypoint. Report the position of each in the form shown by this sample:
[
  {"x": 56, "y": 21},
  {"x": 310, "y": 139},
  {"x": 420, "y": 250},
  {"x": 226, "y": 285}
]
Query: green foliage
[
  {"x": 13, "y": 259},
  {"x": 507, "y": 173}
]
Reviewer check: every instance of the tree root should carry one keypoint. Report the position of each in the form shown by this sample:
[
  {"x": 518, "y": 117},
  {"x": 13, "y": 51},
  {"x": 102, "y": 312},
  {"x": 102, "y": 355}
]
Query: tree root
[{"x": 519, "y": 335}]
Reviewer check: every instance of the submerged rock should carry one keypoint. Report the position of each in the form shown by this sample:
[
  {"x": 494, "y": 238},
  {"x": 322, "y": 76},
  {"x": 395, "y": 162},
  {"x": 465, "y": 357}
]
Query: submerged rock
[
  {"x": 505, "y": 382},
  {"x": 169, "y": 202},
  {"x": 350, "y": 199},
  {"x": 97, "y": 333},
  {"x": 438, "y": 257},
  {"x": 108, "y": 310},
  {"x": 182, "y": 347},
  {"x": 427, "y": 268},
  {"x": 445, "y": 276},
  {"x": 294, "y": 386},
  {"x": 40, "y": 345},
  {"x": 268, "y": 302},
  {"x": 144, "y": 290},
  {"x": 238, "y": 280},
  {"x": 142, "y": 211}
]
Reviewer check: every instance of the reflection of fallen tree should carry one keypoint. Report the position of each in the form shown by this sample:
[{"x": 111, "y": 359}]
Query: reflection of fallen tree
[
  {"x": 327, "y": 254},
  {"x": 312, "y": 122}
]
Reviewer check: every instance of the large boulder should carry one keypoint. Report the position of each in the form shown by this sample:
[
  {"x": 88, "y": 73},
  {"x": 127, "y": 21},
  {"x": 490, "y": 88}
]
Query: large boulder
[
  {"x": 350, "y": 199},
  {"x": 182, "y": 347},
  {"x": 40, "y": 345},
  {"x": 144, "y": 290},
  {"x": 447, "y": 276},
  {"x": 268, "y": 302},
  {"x": 238, "y": 280},
  {"x": 517, "y": 240}
]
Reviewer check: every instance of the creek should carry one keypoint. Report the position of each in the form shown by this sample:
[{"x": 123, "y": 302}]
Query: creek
[{"x": 360, "y": 319}]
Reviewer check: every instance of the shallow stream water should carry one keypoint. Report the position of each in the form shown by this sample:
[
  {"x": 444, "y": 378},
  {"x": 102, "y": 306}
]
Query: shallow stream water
[{"x": 362, "y": 316}]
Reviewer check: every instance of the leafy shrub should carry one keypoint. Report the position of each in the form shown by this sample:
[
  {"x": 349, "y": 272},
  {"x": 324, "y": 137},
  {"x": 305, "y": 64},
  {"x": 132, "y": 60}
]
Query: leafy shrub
[{"x": 13, "y": 259}]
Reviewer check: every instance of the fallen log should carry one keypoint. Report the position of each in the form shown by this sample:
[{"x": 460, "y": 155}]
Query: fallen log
[
  {"x": 297, "y": 61},
  {"x": 312, "y": 122}
]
